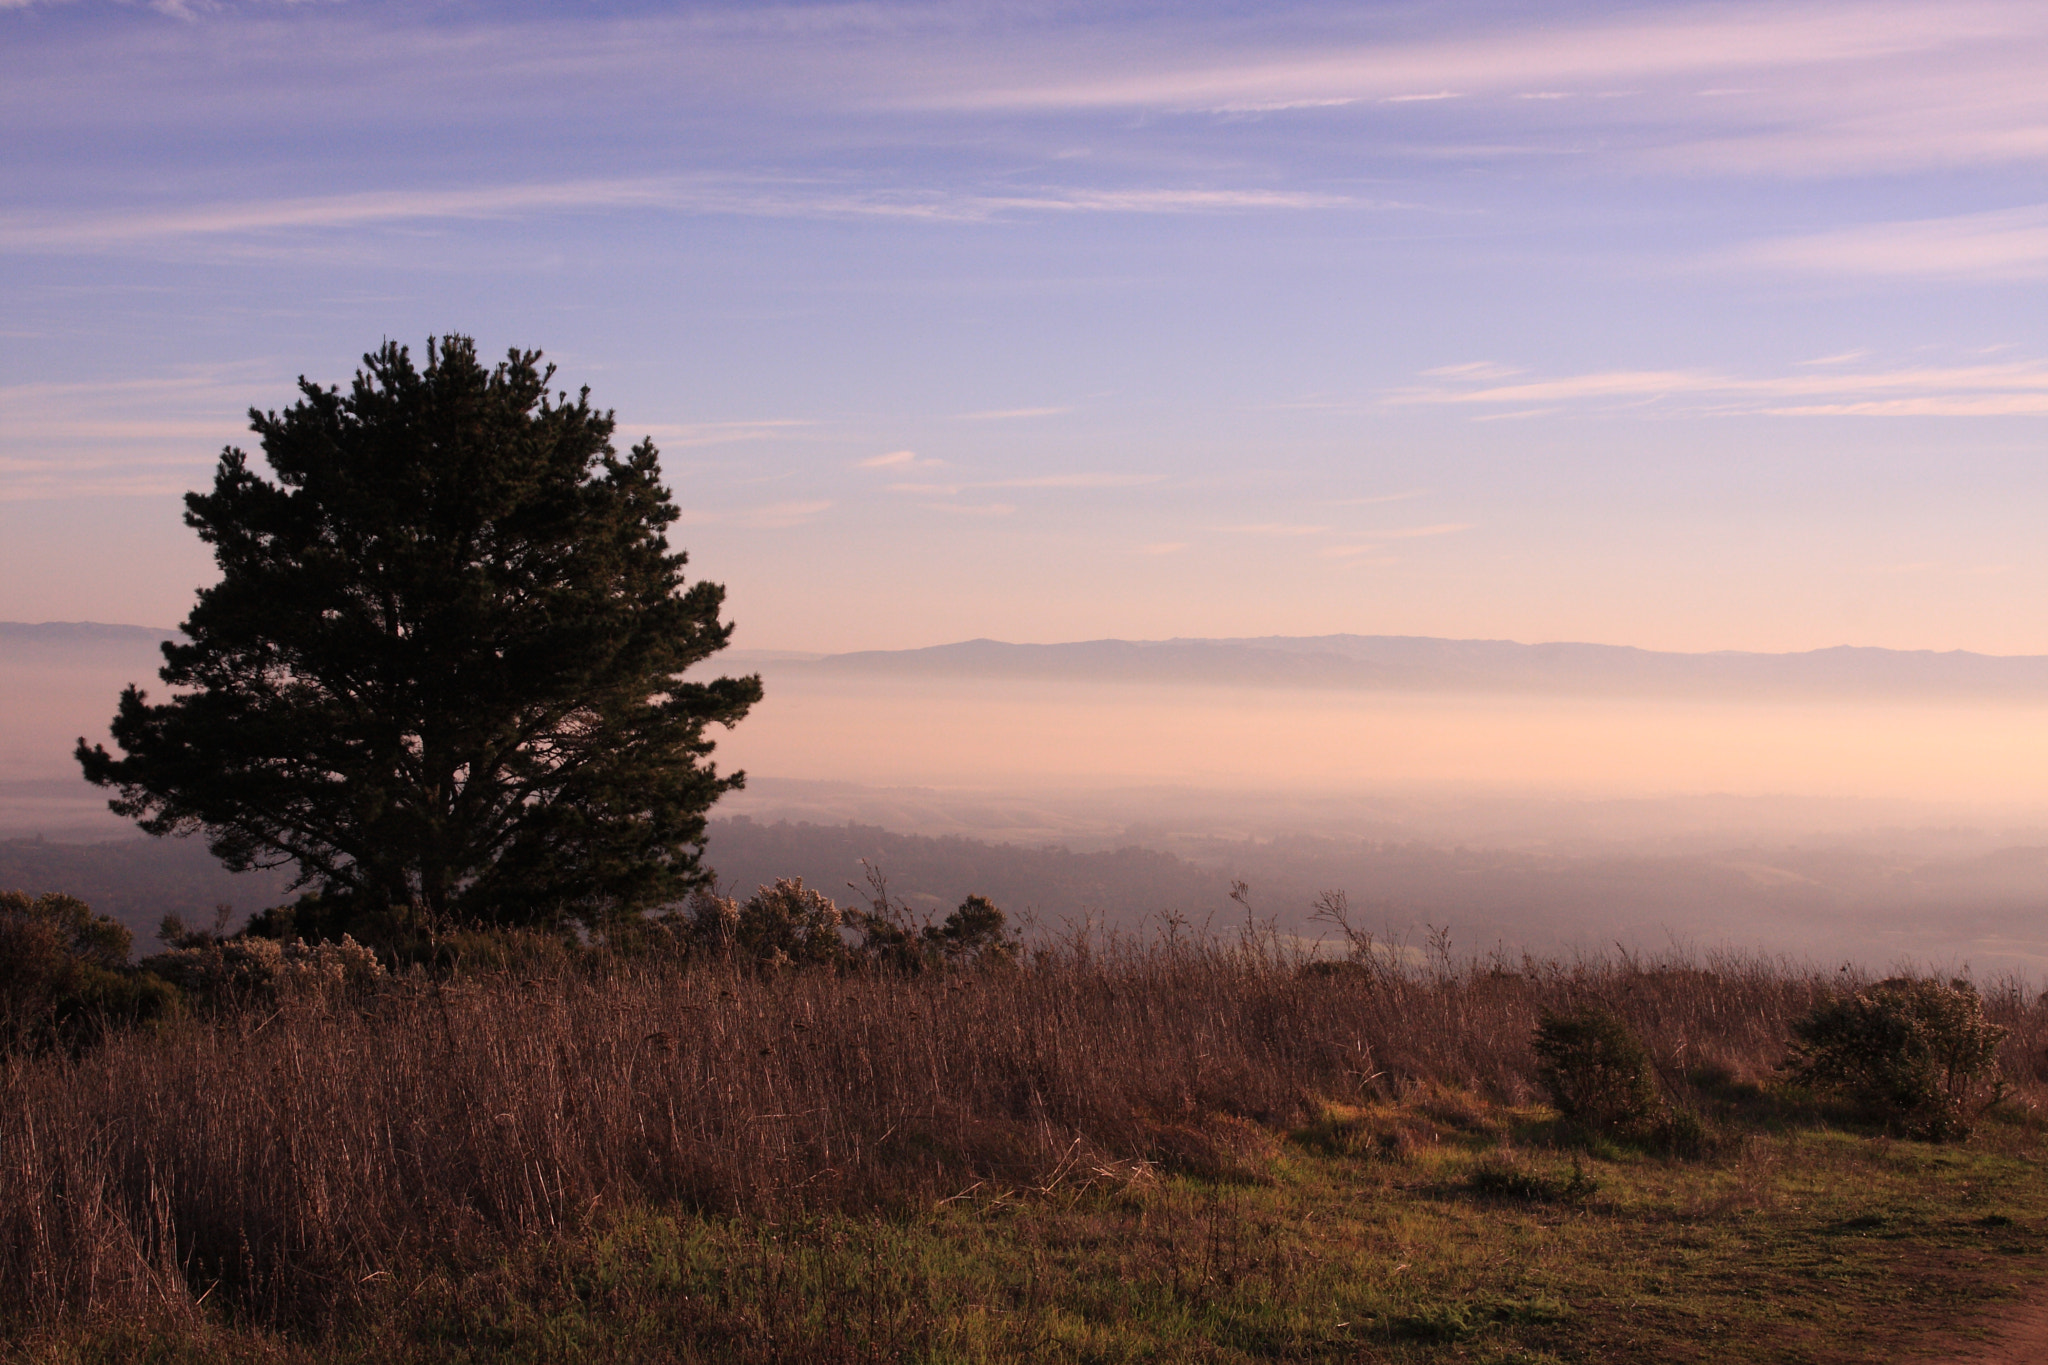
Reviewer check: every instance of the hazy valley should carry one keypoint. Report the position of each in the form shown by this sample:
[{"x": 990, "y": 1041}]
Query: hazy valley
[{"x": 1823, "y": 815}]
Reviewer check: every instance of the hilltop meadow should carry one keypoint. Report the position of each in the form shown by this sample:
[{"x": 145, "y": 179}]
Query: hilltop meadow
[
  {"x": 763, "y": 1141},
  {"x": 1433, "y": 611}
]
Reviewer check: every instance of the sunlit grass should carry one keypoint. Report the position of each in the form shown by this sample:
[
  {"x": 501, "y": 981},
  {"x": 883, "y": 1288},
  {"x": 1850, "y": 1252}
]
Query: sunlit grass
[
  {"x": 1808, "y": 1245},
  {"x": 1201, "y": 1154}
]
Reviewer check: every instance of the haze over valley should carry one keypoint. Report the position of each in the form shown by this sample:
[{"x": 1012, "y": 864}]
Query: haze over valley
[
  {"x": 1388, "y": 660},
  {"x": 1605, "y": 441},
  {"x": 1867, "y": 805}
]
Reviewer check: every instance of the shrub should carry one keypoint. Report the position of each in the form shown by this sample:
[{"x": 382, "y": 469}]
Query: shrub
[
  {"x": 313, "y": 917},
  {"x": 64, "y": 974},
  {"x": 242, "y": 970},
  {"x": 1597, "y": 1071},
  {"x": 1910, "y": 1051},
  {"x": 467, "y": 952},
  {"x": 975, "y": 933},
  {"x": 1218, "y": 1147},
  {"x": 1500, "y": 1176},
  {"x": 787, "y": 924},
  {"x": 1684, "y": 1133}
]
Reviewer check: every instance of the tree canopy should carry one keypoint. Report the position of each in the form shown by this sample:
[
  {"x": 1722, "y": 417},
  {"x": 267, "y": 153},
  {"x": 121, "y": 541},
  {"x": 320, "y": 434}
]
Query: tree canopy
[{"x": 441, "y": 669}]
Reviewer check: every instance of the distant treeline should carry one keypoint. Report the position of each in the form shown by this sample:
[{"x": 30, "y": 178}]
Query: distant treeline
[
  {"x": 1839, "y": 902},
  {"x": 1816, "y": 901},
  {"x": 137, "y": 881},
  {"x": 1049, "y": 883}
]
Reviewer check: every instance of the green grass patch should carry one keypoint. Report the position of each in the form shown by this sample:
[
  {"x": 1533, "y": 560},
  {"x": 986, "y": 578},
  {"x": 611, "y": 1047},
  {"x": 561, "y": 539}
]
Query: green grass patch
[{"x": 1441, "y": 1230}]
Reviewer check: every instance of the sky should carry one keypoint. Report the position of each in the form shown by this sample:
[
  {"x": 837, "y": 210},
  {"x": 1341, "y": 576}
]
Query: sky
[{"x": 1683, "y": 326}]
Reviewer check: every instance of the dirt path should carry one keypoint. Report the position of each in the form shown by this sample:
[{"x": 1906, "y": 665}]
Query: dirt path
[{"x": 2020, "y": 1337}]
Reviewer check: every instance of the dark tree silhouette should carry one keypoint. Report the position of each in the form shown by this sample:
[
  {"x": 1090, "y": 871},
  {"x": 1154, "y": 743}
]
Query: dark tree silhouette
[{"x": 440, "y": 672}]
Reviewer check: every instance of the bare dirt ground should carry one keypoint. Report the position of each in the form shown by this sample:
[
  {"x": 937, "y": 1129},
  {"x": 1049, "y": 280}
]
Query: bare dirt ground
[{"x": 2018, "y": 1337}]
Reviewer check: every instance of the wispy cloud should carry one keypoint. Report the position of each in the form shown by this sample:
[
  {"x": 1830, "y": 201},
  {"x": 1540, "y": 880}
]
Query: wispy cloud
[
  {"x": 772, "y": 516},
  {"x": 1945, "y": 405},
  {"x": 1282, "y": 106},
  {"x": 108, "y": 230},
  {"x": 1604, "y": 384},
  {"x": 1078, "y": 480},
  {"x": 1814, "y": 87},
  {"x": 1163, "y": 547},
  {"x": 156, "y": 434},
  {"x": 1473, "y": 369},
  {"x": 1377, "y": 498},
  {"x": 1594, "y": 51},
  {"x": 1791, "y": 87},
  {"x": 1011, "y": 414},
  {"x": 123, "y": 483},
  {"x": 897, "y": 460},
  {"x": 33, "y": 231},
  {"x": 2018, "y": 388},
  {"x": 1374, "y": 542},
  {"x": 1082, "y": 479},
  {"x": 182, "y": 388},
  {"x": 147, "y": 435},
  {"x": 1275, "y": 528},
  {"x": 687, "y": 434},
  {"x": 966, "y": 509},
  {"x": 1448, "y": 528},
  {"x": 1154, "y": 201},
  {"x": 2006, "y": 244}
]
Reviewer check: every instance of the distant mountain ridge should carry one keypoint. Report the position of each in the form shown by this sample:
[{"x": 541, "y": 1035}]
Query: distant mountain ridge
[
  {"x": 1410, "y": 663},
  {"x": 81, "y": 632},
  {"x": 1367, "y": 663}
]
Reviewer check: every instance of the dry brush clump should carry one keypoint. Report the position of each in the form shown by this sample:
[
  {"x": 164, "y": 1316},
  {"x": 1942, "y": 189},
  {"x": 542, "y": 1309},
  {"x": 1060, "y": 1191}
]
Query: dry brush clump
[
  {"x": 1598, "y": 1072},
  {"x": 64, "y": 975},
  {"x": 1915, "y": 1054},
  {"x": 283, "y": 1153}
]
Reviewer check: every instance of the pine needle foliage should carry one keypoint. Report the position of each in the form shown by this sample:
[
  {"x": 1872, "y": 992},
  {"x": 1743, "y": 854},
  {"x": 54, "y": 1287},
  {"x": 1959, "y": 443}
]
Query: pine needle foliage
[{"x": 441, "y": 672}]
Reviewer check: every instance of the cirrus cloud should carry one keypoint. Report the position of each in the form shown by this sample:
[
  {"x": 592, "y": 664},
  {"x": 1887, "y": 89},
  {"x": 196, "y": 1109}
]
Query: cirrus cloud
[{"x": 2014, "y": 388}]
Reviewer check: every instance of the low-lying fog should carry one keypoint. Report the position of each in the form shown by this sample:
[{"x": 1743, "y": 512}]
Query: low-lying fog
[
  {"x": 1872, "y": 817},
  {"x": 1087, "y": 737}
]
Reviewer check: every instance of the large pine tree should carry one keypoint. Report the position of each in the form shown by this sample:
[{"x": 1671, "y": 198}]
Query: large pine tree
[{"x": 441, "y": 670}]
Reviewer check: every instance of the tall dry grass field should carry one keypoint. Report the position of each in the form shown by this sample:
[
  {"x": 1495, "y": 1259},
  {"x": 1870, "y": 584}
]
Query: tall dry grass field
[{"x": 276, "y": 1159}]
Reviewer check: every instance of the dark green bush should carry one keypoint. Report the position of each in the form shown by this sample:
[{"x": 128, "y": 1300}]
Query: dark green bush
[
  {"x": 789, "y": 924},
  {"x": 975, "y": 933},
  {"x": 1502, "y": 1177},
  {"x": 64, "y": 974},
  {"x": 315, "y": 917},
  {"x": 1684, "y": 1133},
  {"x": 1911, "y": 1052},
  {"x": 1597, "y": 1071}
]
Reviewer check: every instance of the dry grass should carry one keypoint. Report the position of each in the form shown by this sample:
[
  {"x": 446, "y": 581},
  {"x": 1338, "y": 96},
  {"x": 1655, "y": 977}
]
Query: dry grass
[{"x": 281, "y": 1161}]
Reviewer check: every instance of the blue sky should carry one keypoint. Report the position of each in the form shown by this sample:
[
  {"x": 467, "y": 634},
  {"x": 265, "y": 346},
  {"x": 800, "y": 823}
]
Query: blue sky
[{"x": 1688, "y": 326}]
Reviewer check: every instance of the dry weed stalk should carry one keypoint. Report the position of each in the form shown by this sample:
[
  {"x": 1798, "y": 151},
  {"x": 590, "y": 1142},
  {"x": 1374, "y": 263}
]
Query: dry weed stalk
[{"x": 287, "y": 1155}]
